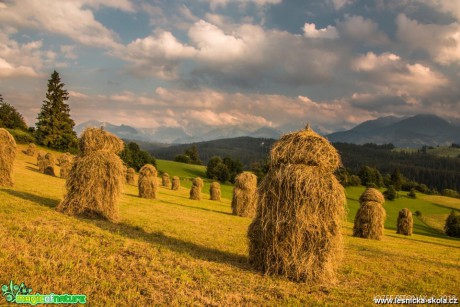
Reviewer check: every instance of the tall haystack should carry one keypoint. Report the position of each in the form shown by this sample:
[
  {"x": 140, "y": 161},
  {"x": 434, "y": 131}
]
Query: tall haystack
[
  {"x": 64, "y": 158},
  {"x": 244, "y": 201},
  {"x": 165, "y": 181},
  {"x": 31, "y": 150},
  {"x": 7, "y": 156},
  {"x": 405, "y": 223},
  {"x": 195, "y": 190},
  {"x": 130, "y": 176},
  {"x": 148, "y": 183},
  {"x": 214, "y": 191},
  {"x": 96, "y": 177},
  {"x": 370, "y": 217},
  {"x": 297, "y": 229},
  {"x": 175, "y": 183}
]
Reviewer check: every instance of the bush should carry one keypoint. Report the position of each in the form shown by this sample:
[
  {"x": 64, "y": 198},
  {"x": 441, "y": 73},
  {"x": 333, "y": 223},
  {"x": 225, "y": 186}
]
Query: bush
[
  {"x": 418, "y": 213},
  {"x": 134, "y": 157},
  {"x": 450, "y": 193},
  {"x": 390, "y": 193},
  {"x": 10, "y": 118},
  {"x": 183, "y": 158},
  {"x": 412, "y": 194},
  {"x": 354, "y": 181},
  {"x": 452, "y": 226},
  {"x": 423, "y": 188},
  {"x": 21, "y": 137}
]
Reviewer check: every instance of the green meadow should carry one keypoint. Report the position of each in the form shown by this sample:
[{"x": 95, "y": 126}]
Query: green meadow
[{"x": 177, "y": 251}]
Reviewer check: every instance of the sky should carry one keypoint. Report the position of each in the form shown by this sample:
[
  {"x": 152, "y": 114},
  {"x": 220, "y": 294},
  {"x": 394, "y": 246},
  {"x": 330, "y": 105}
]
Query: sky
[{"x": 223, "y": 63}]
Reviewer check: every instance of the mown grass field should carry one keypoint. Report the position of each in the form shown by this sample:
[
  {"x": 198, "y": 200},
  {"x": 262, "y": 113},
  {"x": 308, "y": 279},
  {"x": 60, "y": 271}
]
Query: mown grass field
[{"x": 176, "y": 251}]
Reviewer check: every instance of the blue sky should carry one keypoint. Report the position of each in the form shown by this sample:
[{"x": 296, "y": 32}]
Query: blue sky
[{"x": 209, "y": 64}]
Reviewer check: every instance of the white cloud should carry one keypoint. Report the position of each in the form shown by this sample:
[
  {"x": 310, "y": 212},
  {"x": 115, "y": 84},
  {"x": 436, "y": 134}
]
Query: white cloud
[
  {"x": 450, "y": 7},
  {"x": 441, "y": 42},
  {"x": 339, "y": 4},
  {"x": 8, "y": 70},
  {"x": 69, "y": 18},
  {"x": 390, "y": 74},
  {"x": 310, "y": 31}
]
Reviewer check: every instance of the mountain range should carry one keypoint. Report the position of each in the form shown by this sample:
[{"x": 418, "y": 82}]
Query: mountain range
[
  {"x": 404, "y": 132},
  {"x": 407, "y": 132}
]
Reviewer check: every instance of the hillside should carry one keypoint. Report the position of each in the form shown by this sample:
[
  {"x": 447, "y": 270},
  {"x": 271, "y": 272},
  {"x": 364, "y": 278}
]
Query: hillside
[
  {"x": 415, "y": 131},
  {"x": 175, "y": 251}
]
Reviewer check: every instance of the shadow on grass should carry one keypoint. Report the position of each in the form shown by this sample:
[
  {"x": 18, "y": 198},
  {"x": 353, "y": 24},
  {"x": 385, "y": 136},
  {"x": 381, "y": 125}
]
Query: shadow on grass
[
  {"x": 33, "y": 169},
  {"x": 176, "y": 245},
  {"x": 181, "y": 205},
  {"x": 49, "y": 202}
]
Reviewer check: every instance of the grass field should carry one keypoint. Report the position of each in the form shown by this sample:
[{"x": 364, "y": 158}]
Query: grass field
[{"x": 176, "y": 251}]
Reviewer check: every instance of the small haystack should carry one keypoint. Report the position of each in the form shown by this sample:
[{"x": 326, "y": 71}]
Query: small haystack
[
  {"x": 64, "y": 158},
  {"x": 297, "y": 229},
  {"x": 130, "y": 173},
  {"x": 31, "y": 150},
  {"x": 7, "y": 156},
  {"x": 95, "y": 180},
  {"x": 195, "y": 191},
  {"x": 40, "y": 156},
  {"x": 244, "y": 201},
  {"x": 405, "y": 223},
  {"x": 175, "y": 183},
  {"x": 148, "y": 183},
  {"x": 370, "y": 217},
  {"x": 46, "y": 164},
  {"x": 214, "y": 191},
  {"x": 165, "y": 181}
]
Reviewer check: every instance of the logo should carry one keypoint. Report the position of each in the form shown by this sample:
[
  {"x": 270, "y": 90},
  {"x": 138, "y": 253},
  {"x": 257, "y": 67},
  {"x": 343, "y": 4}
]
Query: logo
[{"x": 21, "y": 294}]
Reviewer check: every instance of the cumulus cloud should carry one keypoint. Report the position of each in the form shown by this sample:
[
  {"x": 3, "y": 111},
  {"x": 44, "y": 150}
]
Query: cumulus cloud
[
  {"x": 69, "y": 18},
  {"x": 390, "y": 73},
  {"x": 450, "y": 7},
  {"x": 364, "y": 30},
  {"x": 441, "y": 42},
  {"x": 215, "y": 4},
  {"x": 309, "y": 30}
]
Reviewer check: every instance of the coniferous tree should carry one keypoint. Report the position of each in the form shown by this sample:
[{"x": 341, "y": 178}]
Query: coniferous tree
[
  {"x": 55, "y": 126},
  {"x": 396, "y": 179}
]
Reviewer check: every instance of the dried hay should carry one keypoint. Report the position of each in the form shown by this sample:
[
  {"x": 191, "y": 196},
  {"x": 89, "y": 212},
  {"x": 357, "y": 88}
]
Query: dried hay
[
  {"x": 94, "y": 139},
  {"x": 66, "y": 166},
  {"x": 147, "y": 182},
  {"x": 305, "y": 147},
  {"x": 49, "y": 170},
  {"x": 130, "y": 176},
  {"x": 96, "y": 178},
  {"x": 94, "y": 186},
  {"x": 65, "y": 158},
  {"x": 301, "y": 206},
  {"x": 165, "y": 181},
  {"x": 372, "y": 194},
  {"x": 7, "y": 156},
  {"x": 40, "y": 156},
  {"x": 297, "y": 229},
  {"x": 175, "y": 183},
  {"x": 46, "y": 162},
  {"x": 214, "y": 191},
  {"x": 31, "y": 150},
  {"x": 405, "y": 222},
  {"x": 195, "y": 190},
  {"x": 244, "y": 201},
  {"x": 370, "y": 217}
]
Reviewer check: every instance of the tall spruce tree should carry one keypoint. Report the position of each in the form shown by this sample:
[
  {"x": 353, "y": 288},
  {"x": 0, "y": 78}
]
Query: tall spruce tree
[{"x": 54, "y": 126}]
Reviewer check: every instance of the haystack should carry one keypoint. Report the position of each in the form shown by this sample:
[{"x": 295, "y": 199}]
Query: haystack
[
  {"x": 46, "y": 164},
  {"x": 7, "y": 156},
  {"x": 405, "y": 222},
  {"x": 370, "y": 217},
  {"x": 214, "y": 191},
  {"x": 96, "y": 177},
  {"x": 244, "y": 201},
  {"x": 40, "y": 156},
  {"x": 31, "y": 150},
  {"x": 130, "y": 176},
  {"x": 297, "y": 229},
  {"x": 195, "y": 190},
  {"x": 64, "y": 158},
  {"x": 147, "y": 182},
  {"x": 165, "y": 181},
  {"x": 175, "y": 183}
]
